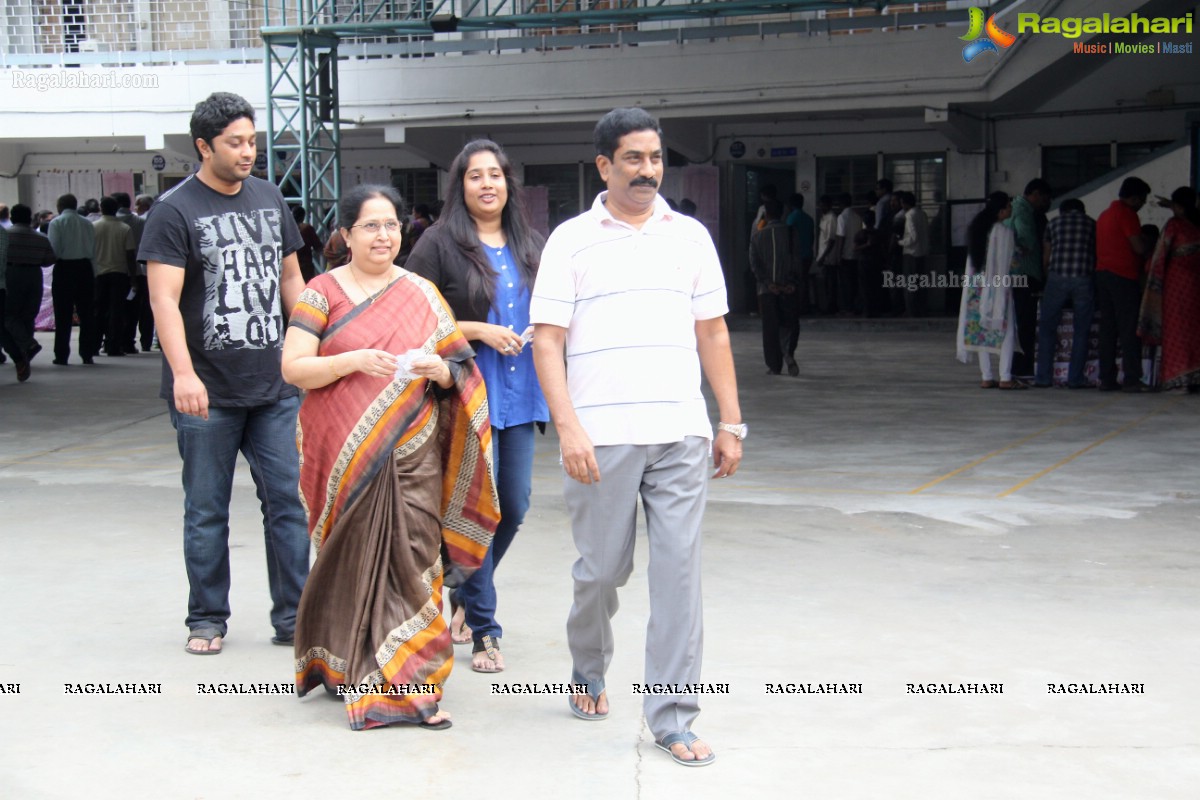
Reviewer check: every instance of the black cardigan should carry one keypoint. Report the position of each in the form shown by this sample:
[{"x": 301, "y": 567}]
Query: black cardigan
[{"x": 437, "y": 258}]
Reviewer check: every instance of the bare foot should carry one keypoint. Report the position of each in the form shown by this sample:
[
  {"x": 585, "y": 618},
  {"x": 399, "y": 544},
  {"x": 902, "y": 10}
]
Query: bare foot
[
  {"x": 199, "y": 644},
  {"x": 483, "y": 662},
  {"x": 698, "y": 752},
  {"x": 587, "y": 705},
  {"x": 459, "y": 632},
  {"x": 437, "y": 718}
]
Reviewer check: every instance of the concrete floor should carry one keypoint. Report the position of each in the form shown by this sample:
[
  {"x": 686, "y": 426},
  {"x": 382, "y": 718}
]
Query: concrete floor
[{"x": 892, "y": 524}]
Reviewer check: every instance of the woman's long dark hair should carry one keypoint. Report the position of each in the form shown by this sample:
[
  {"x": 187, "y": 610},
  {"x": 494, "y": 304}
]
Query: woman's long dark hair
[
  {"x": 514, "y": 219},
  {"x": 981, "y": 227}
]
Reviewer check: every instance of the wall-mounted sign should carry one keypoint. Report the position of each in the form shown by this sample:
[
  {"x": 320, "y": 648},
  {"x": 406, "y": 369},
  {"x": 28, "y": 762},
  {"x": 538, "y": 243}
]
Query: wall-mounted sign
[
  {"x": 158, "y": 162},
  {"x": 260, "y": 161},
  {"x": 737, "y": 149},
  {"x": 782, "y": 152}
]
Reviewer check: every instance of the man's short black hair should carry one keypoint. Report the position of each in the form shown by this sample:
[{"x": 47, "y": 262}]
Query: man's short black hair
[
  {"x": 772, "y": 209},
  {"x": 620, "y": 122},
  {"x": 796, "y": 200},
  {"x": 885, "y": 184},
  {"x": 1133, "y": 187},
  {"x": 122, "y": 200},
  {"x": 214, "y": 114},
  {"x": 1038, "y": 185},
  {"x": 1072, "y": 204},
  {"x": 21, "y": 214},
  {"x": 67, "y": 201},
  {"x": 108, "y": 206}
]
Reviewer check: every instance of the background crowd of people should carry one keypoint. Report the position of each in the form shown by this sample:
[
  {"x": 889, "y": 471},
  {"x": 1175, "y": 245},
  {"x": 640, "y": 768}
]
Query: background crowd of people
[
  {"x": 835, "y": 264},
  {"x": 1024, "y": 270},
  {"x": 97, "y": 280}
]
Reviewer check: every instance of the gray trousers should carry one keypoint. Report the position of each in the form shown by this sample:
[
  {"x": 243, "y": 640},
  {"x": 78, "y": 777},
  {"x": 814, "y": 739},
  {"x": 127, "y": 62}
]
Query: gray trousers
[{"x": 672, "y": 480}]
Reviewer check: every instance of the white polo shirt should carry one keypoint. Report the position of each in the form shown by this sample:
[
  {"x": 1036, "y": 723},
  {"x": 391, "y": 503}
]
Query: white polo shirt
[{"x": 629, "y": 300}]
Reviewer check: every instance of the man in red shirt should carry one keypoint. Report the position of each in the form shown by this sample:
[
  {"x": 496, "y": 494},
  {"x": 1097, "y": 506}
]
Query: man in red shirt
[{"x": 1120, "y": 254}]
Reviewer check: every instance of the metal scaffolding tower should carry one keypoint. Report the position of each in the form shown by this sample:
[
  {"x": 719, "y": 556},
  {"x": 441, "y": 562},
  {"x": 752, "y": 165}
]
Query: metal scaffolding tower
[{"x": 303, "y": 130}]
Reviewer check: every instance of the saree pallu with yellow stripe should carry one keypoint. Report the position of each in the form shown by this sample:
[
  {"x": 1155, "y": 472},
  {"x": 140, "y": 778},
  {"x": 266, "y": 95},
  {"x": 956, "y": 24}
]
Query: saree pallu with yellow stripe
[{"x": 399, "y": 491}]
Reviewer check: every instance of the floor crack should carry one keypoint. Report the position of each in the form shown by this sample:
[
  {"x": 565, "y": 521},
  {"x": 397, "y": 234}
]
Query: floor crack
[{"x": 637, "y": 765}]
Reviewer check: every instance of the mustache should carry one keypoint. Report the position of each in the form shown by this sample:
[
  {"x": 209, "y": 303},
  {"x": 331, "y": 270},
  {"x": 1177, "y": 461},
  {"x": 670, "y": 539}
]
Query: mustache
[{"x": 653, "y": 184}]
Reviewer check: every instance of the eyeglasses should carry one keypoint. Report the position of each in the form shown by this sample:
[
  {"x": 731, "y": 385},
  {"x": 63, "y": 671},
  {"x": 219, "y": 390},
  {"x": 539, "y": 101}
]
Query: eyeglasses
[{"x": 391, "y": 226}]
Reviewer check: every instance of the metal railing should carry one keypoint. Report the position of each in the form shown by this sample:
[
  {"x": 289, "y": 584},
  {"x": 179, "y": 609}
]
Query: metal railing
[
  {"x": 133, "y": 28},
  {"x": 148, "y": 32}
]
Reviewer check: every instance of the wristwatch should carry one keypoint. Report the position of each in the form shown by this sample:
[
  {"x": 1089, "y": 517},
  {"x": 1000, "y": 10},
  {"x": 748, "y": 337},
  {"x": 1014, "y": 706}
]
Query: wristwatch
[{"x": 740, "y": 430}]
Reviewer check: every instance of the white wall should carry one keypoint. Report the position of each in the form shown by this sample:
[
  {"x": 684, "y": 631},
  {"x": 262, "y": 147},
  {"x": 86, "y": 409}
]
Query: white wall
[
  {"x": 1164, "y": 175},
  {"x": 10, "y": 193}
]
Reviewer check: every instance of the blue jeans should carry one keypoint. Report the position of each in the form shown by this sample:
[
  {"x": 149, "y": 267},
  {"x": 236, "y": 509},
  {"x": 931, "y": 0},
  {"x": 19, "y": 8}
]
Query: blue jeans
[
  {"x": 266, "y": 436},
  {"x": 1058, "y": 290},
  {"x": 513, "y": 451}
]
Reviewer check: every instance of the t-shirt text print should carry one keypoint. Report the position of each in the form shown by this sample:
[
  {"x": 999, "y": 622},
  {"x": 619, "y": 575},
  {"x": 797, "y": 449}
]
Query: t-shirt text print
[{"x": 241, "y": 255}]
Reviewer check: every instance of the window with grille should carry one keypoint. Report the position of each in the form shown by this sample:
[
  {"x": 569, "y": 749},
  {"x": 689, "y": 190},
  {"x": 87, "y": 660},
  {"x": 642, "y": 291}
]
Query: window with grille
[
  {"x": 853, "y": 174},
  {"x": 924, "y": 175}
]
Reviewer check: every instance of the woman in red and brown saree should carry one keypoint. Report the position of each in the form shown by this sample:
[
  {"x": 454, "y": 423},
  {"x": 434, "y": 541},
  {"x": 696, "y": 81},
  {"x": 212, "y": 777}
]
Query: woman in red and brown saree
[
  {"x": 1171, "y": 303},
  {"x": 395, "y": 474}
]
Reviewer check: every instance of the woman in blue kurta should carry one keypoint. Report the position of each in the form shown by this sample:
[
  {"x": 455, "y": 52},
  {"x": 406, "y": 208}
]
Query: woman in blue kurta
[{"x": 483, "y": 255}]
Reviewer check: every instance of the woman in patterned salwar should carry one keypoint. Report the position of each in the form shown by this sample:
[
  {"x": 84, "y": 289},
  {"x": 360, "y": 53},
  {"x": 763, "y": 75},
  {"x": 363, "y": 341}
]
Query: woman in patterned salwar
[
  {"x": 986, "y": 317},
  {"x": 1171, "y": 304},
  {"x": 395, "y": 474}
]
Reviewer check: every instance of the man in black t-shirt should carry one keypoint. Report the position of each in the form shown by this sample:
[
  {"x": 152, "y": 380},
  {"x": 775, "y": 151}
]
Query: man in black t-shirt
[{"x": 220, "y": 252}]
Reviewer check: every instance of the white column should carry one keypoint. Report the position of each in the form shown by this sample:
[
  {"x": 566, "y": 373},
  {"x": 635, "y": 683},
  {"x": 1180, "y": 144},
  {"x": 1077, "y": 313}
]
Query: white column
[{"x": 218, "y": 22}]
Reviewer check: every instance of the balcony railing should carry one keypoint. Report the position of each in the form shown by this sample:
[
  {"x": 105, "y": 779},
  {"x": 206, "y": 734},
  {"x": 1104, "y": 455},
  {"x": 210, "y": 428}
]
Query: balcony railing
[{"x": 147, "y": 32}]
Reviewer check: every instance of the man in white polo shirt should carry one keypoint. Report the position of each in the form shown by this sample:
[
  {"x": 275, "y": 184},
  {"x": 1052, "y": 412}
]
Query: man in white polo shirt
[{"x": 629, "y": 305}]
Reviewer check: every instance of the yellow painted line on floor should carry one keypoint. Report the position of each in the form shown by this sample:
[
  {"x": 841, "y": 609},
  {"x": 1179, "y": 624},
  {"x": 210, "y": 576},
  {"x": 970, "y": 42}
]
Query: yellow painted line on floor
[
  {"x": 1165, "y": 406},
  {"x": 1015, "y": 444},
  {"x": 142, "y": 467},
  {"x": 746, "y": 489}
]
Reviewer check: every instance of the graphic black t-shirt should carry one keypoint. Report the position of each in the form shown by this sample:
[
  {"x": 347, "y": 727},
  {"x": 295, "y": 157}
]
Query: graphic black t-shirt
[{"x": 231, "y": 248}]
